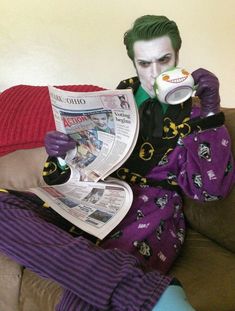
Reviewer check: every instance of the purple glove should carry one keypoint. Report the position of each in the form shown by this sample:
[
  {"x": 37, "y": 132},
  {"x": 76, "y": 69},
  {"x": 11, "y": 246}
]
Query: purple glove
[
  {"x": 57, "y": 144},
  {"x": 207, "y": 91}
]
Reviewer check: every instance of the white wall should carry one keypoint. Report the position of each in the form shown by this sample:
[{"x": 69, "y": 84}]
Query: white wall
[{"x": 80, "y": 41}]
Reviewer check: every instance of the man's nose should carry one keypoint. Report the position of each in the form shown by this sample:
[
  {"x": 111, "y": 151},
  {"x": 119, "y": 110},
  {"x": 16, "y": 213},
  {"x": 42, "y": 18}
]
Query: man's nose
[{"x": 156, "y": 69}]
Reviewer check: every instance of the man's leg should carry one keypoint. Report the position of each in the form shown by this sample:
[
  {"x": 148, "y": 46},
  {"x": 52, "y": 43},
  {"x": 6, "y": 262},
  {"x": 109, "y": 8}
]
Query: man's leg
[{"x": 104, "y": 279}]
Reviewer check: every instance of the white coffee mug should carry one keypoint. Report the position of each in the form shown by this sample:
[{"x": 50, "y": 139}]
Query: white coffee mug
[{"x": 174, "y": 86}]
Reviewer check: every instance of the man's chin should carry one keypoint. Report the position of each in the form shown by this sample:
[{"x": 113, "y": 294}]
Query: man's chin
[{"x": 150, "y": 92}]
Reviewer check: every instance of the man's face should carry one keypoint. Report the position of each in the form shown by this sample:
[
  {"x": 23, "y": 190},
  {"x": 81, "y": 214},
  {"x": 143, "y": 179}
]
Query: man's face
[
  {"x": 100, "y": 120},
  {"x": 151, "y": 58}
]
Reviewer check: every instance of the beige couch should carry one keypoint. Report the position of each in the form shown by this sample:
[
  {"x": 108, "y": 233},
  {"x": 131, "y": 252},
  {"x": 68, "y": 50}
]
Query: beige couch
[{"x": 206, "y": 265}]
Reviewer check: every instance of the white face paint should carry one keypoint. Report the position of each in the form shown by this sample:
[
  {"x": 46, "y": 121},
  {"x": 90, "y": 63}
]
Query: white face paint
[
  {"x": 151, "y": 58},
  {"x": 100, "y": 120}
]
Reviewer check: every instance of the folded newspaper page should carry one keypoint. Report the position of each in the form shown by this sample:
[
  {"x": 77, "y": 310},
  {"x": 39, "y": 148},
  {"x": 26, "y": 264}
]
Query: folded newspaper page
[
  {"x": 104, "y": 124},
  {"x": 95, "y": 207}
]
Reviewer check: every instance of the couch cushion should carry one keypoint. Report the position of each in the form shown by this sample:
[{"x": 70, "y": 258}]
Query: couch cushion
[
  {"x": 216, "y": 219},
  {"x": 10, "y": 282},
  {"x": 207, "y": 272},
  {"x": 26, "y": 115},
  {"x": 38, "y": 294},
  {"x": 22, "y": 169}
]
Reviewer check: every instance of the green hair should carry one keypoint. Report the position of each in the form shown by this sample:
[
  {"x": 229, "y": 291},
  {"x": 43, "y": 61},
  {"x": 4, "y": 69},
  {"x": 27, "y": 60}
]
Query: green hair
[{"x": 149, "y": 27}]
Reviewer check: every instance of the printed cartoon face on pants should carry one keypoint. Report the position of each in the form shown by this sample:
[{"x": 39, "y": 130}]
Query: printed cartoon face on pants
[
  {"x": 197, "y": 180},
  {"x": 204, "y": 151},
  {"x": 160, "y": 229},
  {"x": 143, "y": 248},
  {"x": 151, "y": 58},
  {"x": 210, "y": 197},
  {"x": 162, "y": 201}
]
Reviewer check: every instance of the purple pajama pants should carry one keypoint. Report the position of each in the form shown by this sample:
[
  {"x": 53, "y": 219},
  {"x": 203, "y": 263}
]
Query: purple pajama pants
[{"x": 93, "y": 278}]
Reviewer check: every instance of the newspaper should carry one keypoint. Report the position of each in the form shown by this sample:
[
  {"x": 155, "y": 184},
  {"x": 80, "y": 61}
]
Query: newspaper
[
  {"x": 105, "y": 125},
  {"x": 96, "y": 208}
]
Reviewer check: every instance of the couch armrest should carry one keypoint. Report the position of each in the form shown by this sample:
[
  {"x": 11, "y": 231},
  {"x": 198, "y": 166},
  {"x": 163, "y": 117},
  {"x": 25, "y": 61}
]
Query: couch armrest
[{"x": 10, "y": 283}]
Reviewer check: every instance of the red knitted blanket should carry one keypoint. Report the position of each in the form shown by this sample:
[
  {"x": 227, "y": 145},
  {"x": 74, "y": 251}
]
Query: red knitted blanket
[{"x": 26, "y": 115}]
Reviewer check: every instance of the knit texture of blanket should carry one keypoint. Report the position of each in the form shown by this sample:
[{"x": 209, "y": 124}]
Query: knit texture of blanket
[{"x": 26, "y": 115}]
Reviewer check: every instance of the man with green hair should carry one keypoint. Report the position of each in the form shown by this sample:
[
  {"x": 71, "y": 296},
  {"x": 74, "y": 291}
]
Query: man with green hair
[
  {"x": 149, "y": 27},
  {"x": 153, "y": 45},
  {"x": 177, "y": 152}
]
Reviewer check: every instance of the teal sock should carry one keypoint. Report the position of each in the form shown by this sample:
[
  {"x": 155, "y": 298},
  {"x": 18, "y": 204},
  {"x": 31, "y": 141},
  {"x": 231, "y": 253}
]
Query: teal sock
[{"x": 173, "y": 299}]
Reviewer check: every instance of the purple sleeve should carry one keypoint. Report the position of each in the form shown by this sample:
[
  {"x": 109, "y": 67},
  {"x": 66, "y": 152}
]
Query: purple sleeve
[{"x": 207, "y": 165}]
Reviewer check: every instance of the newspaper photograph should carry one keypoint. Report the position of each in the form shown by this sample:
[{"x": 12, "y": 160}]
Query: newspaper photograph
[
  {"x": 104, "y": 124},
  {"x": 96, "y": 208}
]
